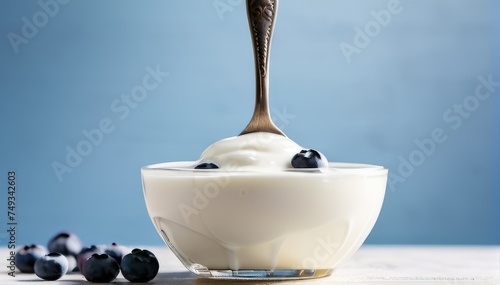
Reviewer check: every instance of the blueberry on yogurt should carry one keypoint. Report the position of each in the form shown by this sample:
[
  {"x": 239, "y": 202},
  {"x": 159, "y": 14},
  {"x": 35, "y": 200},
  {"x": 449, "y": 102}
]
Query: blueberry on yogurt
[
  {"x": 207, "y": 165},
  {"x": 309, "y": 158}
]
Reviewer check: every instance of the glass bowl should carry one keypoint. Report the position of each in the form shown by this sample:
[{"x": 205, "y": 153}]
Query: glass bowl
[{"x": 283, "y": 224}]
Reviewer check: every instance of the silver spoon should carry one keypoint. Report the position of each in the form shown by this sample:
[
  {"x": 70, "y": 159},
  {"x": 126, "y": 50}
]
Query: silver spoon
[{"x": 261, "y": 18}]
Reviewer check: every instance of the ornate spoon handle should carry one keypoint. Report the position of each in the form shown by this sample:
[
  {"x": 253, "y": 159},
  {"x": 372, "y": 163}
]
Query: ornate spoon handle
[{"x": 261, "y": 19}]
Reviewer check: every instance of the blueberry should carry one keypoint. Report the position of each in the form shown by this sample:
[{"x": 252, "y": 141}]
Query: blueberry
[
  {"x": 100, "y": 268},
  {"x": 85, "y": 254},
  {"x": 27, "y": 256},
  {"x": 116, "y": 251},
  {"x": 140, "y": 266},
  {"x": 207, "y": 165},
  {"x": 65, "y": 243},
  {"x": 309, "y": 158},
  {"x": 51, "y": 266},
  {"x": 72, "y": 264}
]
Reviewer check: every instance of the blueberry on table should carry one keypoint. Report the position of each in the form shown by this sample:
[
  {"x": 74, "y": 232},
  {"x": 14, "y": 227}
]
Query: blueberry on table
[
  {"x": 207, "y": 165},
  {"x": 51, "y": 266},
  {"x": 65, "y": 243},
  {"x": 27, "y": 256},
  {"x": 309, "y": 158},
  {"x": 72, "y": 264},
  {"x": 100, "y": 268},
  {"x": 85, "y": 254},
  {"x": 140, "y": 266},
  {"x": 116, "y": 251}
]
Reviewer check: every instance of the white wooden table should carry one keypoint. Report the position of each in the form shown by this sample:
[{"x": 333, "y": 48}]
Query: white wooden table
[{"x": 370, "y": 265}]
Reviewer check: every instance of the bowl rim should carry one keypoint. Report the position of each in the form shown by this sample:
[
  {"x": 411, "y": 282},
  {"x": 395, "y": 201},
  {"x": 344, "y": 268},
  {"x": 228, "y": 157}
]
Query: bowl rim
[{"x": 335, "y": 168}]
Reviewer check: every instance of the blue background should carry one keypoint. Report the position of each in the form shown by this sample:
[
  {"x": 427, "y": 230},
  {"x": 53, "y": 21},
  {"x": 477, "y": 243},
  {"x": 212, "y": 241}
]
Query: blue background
[{"x": 370, "y": 109}]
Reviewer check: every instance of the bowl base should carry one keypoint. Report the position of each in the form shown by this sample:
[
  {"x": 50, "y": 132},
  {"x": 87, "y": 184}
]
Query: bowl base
[
  {"x": 278, "y": 274},
  {"x": 227, "y": 274}
]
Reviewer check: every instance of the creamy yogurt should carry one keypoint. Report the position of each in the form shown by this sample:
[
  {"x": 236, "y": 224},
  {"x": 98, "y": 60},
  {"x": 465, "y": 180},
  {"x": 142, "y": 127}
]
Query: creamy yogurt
[{"x": 254, "y": 151}]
